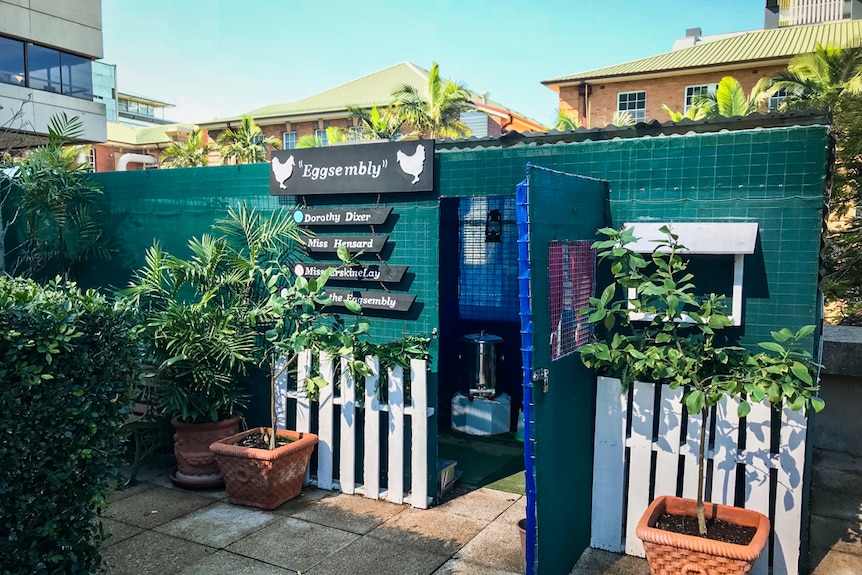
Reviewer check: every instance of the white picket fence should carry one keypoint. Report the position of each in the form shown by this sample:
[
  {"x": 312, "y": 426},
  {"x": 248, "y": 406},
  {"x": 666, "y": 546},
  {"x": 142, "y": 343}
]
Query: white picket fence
[
  {"x": 619, "y": 499},
  {"x": 399, "y": 412}
]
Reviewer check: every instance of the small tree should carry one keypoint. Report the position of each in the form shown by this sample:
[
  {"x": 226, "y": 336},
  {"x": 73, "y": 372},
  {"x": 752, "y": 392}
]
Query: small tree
[
  {"x": 435, "y": 109},
  {"x": 191, "y": 153},
  {"x": 377, "y": 124},
  {"x": 247, "y": 144},
  {"x": 677, "y": 344}
]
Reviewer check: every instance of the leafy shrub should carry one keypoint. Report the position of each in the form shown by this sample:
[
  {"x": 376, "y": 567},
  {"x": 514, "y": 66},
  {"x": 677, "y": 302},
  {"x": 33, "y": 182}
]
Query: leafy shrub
[{"x": 66, "y": 362}]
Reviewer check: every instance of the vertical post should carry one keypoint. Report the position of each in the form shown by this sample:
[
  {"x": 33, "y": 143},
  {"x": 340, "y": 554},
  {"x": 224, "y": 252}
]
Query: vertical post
[
  {"x": 395, "y": 473},
  {"x": 347, "y": 459},
  {"x": 419, "y": 436},
  {"x": 371, "y": 464},
  {"x": 325, "y": 431}
]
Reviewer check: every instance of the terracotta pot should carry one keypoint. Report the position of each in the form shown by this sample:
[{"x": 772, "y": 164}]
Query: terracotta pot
[
  {"x": 196, "y": 465},
  {"x": 260, "y": 477},
  {"x": 671, "y": 553}
]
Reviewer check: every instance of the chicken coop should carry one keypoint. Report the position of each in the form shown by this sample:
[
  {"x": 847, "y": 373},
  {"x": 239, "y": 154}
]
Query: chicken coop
[{"x": 483, "y": 245}]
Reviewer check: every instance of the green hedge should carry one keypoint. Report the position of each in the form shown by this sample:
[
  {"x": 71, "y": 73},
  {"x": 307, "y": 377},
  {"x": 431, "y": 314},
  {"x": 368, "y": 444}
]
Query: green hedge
[{"x": 66, "y": 362}]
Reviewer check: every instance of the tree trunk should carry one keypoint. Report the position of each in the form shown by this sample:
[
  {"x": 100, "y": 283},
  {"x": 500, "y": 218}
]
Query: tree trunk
[{"x": 701, "y": 472}]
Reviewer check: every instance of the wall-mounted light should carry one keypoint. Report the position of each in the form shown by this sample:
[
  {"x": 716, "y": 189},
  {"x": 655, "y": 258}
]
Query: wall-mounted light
[{"x": 494, "y": 226}]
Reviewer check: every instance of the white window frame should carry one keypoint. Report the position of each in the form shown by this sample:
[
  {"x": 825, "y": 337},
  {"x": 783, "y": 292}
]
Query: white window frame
[
  {"x": 321, "y": 135},
  {"x": 719, "y": 238},
  {"x": 288, "y": 137},
  {"x": 355, "y": 133},
  {"x": 639, "y": 114},
  {"x": 689, "y": 94},
  {"x": 776, "y": 99}
]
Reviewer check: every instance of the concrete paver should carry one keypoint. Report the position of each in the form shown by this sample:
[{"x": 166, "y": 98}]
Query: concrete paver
[
  {"x": 349, "y": 512},
  {"x": 224, "y": 563},
  {"x": 369, "y": 555},
  {"x": 293, "y": 544},
  {"x": 430, "y": 529},
  {"x": 117, "y": 531},
  {"x": 497, "y": 546},
  {"x": 218, "y": 525},
  {"x": 151, "y": 553},
  {"x": 484, "y": 504},
  {"x": 152, "y": 507},
  {"x": 461, "y": 567}
]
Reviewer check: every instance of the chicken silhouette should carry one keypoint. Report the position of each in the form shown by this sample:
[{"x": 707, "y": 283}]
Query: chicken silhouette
[
  {"x": 282, "y": 171},
  {"x": 412, "y": 165}
]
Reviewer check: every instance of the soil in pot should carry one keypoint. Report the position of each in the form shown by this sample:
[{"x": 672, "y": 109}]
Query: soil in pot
[
  {"x": 716, "y": 529},
  {"x": 261, "y": 441}
]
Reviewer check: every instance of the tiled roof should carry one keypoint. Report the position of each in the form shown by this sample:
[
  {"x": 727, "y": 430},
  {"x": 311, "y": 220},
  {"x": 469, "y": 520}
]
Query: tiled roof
[
  {"x": 778, "y": 43},
  {"x": 375, "y": 89}
]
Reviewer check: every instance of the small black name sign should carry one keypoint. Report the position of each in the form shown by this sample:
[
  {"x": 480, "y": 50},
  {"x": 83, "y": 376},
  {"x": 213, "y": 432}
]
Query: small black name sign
[
  {"x": 373, "y": 299},
  {"x": 330, "y": 244},
  {"x": 340, "y": 216},
  {"x": 370, "y": 273},
  {"x": 405, "y": 166}
]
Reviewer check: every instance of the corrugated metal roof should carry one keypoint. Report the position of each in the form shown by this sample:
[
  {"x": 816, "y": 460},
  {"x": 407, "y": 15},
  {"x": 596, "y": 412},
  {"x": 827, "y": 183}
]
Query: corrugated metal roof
[
  {"x": 375, "y": 89},
  {"x": 756, "y": 45},
  {"x": 123, "y": 134}
]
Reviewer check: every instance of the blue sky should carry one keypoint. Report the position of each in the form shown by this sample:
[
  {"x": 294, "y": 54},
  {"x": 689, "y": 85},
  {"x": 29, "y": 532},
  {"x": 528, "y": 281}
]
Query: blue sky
[{"x": 225, "y": 57}]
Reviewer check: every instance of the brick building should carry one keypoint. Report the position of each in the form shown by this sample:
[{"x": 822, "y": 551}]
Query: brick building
[
  {"x": 675, "y": 78},
  {"x": 290, "y": 121}
]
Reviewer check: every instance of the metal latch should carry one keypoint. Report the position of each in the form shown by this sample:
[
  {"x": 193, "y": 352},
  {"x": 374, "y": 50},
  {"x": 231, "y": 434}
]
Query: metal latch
[{"x": 540, "y": 375}]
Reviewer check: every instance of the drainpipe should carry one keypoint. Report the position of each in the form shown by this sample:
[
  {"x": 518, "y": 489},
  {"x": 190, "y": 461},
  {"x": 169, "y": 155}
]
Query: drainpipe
[
  {"x": 126, "y": 159},
  {"x": 584, "y": 92}
]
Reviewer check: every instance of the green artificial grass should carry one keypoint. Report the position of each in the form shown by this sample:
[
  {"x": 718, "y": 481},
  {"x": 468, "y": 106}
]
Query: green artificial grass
[{"x": 495, "y": 461}]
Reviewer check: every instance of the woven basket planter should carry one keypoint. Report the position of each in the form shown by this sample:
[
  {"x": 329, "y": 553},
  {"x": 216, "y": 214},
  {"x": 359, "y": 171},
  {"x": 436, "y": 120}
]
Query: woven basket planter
[
  {"x": 260, "y": 477},
  {"x": 671, "y": 553}
]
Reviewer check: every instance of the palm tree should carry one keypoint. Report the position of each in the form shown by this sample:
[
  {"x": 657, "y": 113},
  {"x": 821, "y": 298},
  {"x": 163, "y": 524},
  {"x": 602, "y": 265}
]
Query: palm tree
[
  {"x": 246, "y": 144},
  {"x": 334, "y": 135},
  {"x": 729, "y": 99},
  {"x": 191, "y": 153},
  {"x": 623, "y": 118},
  {"x": 567, "y": 120},
  {"x": 693, "y": 113},
  {"x": 377, "y": 125},
  {"x": 818, "y": 79},
  {"x": 436, "y": 109}
]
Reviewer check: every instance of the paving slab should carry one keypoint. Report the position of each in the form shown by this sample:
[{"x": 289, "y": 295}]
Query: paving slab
[
  {"x": 497, "y": 546},
  {"x": 836, "y": 534},
  {"x": 831, "y": 562},
  {"x": 155, "y": 506},
  {"x": 218, "y": 525},
  {"x": 293, "y": 544},
  {"x": 430, "y": 529},
  {"x": 461, "y": 567},
  {"x": 119, "y": 493},
  {"x": 484, "y": 504},
  {"x": 596, "y": 561},
  {"x": 352, "y": 513},
  {"x": 308, "y": 496},
  {"x": 224, "y": 563},
  {"x": 369, "y": 555},
  {"x": 151, "y": 553},
  {"x": 117, "y": 531}
]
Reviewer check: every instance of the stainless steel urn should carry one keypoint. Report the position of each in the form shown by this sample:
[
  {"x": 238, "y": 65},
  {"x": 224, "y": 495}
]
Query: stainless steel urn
[{"x": 479, "y": 356}]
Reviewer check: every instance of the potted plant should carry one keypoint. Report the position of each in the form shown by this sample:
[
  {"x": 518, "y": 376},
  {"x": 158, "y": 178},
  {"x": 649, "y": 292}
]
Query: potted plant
[
  {"x": 200, "y": 318},
  {"x": 676, "y": 342},
  {"x": 264, "y": 467}
]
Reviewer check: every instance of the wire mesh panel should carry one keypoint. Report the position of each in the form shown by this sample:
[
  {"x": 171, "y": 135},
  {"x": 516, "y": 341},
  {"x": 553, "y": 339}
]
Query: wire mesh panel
[
  {"x": 488, "y": 262},
  {"x": 572, "y": 276}
]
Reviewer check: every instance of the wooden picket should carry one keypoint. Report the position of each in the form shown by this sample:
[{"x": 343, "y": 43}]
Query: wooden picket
[
  {"x": 654, "y": 463},
  {"x": 338, "y": 410}
]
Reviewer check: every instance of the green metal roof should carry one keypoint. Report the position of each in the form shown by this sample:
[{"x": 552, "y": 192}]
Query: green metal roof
[
  {"x": 375, "y": 89},
  {"x": 757, "y": 45},
  {"x": 143, "y": 136}
]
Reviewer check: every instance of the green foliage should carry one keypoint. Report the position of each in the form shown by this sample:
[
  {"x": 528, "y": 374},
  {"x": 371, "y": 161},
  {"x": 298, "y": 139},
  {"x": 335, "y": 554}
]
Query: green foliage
[
  {"x": 202, "y": 318},
  {"x": 334, "y": 134},
  {"x": 623, "y": 118},
  {"x": 246, "y": 144},
  {"x": 676, "y": 343},
  {"x": 377, "y": 125},
  {"x": 729, "y": 99},
  {"x": 693, "y": 113},
  {"x": 63, "y": 224},
  {"x": 66, "y": 371},
  {"x": 436, "y": 109},
  {"x": 191, "y": 153},
  {"x": 567, "y": 120}
]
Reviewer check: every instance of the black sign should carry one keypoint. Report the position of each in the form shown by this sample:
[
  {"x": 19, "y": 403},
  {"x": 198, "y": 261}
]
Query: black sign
[
  {"x": 330, "y": 244},
  {"x": 373, "y": 299},
  {"x": 405, "y": 166},
  {"x": 370, "y": 273},
  {"x": 340, "y": 216}
]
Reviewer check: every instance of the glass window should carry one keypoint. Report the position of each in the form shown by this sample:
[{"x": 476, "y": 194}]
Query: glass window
[
  {"x": 355, "y": 133},
  {"x": 289, "y": 140},
  {"x": 633, "y": 103},
  {"x": 321, "y": 135},
  {"x": 77, "y": 74},
  {"x": 692, "y": 93},
  {"x": 44, "y": 68},
  {"x": 776, "y": 99},
  {"x": 12, "y": 62}
]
